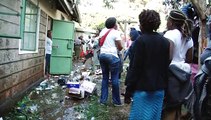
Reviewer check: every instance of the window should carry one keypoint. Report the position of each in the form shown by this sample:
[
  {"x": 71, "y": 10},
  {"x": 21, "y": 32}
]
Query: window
[
  {"x": 29, "y": 41},
  {"x": 10, "y": 19},
  {"x": 20, "y": 19}
]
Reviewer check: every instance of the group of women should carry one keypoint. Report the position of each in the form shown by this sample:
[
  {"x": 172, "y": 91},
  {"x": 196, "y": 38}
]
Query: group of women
[{"x": 153, "y": 53}]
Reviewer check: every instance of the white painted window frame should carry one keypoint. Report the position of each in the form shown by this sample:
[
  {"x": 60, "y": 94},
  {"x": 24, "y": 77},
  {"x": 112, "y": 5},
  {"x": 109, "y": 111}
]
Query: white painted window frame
[{"x": 37, "y": 37}]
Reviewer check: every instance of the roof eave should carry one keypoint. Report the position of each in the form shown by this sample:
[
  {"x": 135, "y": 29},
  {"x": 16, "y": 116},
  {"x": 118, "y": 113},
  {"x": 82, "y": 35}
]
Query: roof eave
[{"x": 71, "y": 9}]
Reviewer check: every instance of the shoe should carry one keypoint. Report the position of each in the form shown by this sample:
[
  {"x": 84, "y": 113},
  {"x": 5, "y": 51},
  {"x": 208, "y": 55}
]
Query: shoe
[
  {"x": 48, "y": 76},
  {"x": 103, "y": 104},
  {"x": 118, "y": 105}
]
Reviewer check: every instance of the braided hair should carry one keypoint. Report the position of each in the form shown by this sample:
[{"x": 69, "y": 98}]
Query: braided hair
[
  {"x": 149, "y": 20},
  {"x": 189, "y": 29},
  {"x": 180, "y": 21}
]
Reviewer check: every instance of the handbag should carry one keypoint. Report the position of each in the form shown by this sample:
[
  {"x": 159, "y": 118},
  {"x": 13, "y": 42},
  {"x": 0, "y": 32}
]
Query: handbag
[{"x": 102, "y": 39}]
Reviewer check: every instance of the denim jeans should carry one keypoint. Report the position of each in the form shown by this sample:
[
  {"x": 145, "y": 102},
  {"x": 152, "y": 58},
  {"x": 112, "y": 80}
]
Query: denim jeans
[
  {"x": 47, "y": 64},
  {"x": 110, "y": 66}
]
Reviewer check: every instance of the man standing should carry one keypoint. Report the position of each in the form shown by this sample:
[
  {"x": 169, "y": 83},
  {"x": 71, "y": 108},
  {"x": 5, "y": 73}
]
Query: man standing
[{"x": 48, "y": 50}]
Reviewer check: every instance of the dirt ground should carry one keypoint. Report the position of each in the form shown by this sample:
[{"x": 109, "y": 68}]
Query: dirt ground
[{"x": 51, "y": 101}]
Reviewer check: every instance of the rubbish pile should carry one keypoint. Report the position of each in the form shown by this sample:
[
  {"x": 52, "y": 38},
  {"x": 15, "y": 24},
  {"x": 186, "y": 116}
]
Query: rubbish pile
[
  {"x": 55, "y": 96},
  {"x": 79, "y": 84}
]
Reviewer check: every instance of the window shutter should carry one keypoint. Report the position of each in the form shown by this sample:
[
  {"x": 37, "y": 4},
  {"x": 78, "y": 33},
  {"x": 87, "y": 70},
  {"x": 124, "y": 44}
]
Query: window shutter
[{"x": 10, "y": 18}]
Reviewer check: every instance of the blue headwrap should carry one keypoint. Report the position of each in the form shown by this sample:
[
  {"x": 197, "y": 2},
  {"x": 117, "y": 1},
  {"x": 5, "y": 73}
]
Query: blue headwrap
[{"x": 134, "y": 34}]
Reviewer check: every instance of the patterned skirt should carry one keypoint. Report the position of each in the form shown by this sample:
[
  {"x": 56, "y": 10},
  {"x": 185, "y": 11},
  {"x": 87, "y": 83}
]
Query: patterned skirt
[{"x": 147, "y": 105}]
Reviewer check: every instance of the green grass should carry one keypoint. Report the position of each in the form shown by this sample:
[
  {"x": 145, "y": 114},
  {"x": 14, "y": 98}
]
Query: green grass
[
  {"x": 99, "y": 112},
  {"x": 22, "y": 111}
]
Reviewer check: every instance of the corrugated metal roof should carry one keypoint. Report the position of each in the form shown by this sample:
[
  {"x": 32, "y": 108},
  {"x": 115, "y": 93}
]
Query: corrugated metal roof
[{"x": 70, "y": 8}]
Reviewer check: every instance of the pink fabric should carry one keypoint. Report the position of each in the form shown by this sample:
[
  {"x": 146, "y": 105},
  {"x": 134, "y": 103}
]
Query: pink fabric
[
  {"x": 194, "y": 68},
  {"x": 128, "y": 43}
]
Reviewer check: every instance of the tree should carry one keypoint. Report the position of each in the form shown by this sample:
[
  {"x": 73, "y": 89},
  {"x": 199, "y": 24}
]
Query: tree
[
  {"x": 108, "y": 3},
  {"x": 100, "y": 26},
  {"x": 200, "y": 6}
]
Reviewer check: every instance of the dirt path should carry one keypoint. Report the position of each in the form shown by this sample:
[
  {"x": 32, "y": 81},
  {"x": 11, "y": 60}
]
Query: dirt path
[{"x": 50, "y": 101}]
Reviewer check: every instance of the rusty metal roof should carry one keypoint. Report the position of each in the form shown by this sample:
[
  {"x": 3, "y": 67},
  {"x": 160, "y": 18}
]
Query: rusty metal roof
[{"x": 70, "y": 8}]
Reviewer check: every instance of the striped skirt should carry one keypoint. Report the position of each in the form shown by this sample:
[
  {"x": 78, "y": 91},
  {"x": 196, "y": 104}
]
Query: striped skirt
[{"x": 147, "y": 105}]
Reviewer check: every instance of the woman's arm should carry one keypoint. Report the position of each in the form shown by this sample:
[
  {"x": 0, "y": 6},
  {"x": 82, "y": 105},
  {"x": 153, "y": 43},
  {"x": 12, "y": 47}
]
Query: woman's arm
[
  {"x": 119, "y": 45},
  {"x": 171, "y": 49},
  {"x": 189, "y": 55}
]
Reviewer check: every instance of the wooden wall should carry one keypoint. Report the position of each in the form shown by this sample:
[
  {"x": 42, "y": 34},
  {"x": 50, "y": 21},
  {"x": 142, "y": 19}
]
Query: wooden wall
[{"x": 19, "y": 72}]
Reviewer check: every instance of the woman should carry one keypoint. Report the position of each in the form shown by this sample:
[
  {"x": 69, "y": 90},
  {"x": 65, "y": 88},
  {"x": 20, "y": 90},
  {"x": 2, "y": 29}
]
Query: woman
[
  {"x": 48, "y": 50},
  {"x": 134, "y": 34},
  {"x": 179, "y": 33},
  {"x": 148, "y": 70},
  {"x": 109, "y": 61},
  {"x": 78, "y": 47}
]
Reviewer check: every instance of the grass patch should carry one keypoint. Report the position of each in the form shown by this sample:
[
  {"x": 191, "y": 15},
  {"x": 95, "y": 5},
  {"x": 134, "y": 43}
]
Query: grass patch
[
  {"x": 23, "y": 111},
  {"x": 97, "y": 111}
]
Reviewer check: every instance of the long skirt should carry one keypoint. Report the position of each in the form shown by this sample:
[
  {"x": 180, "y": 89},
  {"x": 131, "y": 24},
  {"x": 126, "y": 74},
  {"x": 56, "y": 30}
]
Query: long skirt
[
  {"x": 77, "y": 51},
  {"x": 147, "y": 105}
]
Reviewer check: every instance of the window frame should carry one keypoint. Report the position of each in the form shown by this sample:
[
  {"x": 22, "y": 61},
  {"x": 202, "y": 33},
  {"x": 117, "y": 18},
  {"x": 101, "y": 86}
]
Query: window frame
[{"x": 35, "y": 50}]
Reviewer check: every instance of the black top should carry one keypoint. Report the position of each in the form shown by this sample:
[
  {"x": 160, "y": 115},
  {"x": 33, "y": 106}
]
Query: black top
[
  {"x": 206, "y": 53},
  {"x": 149, "y": 68}
]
